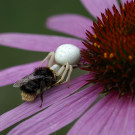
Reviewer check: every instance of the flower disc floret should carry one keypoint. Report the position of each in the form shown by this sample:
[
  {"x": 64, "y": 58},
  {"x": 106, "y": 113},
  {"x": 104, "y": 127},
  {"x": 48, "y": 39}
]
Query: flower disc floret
[{"x": 111, "y": 49}]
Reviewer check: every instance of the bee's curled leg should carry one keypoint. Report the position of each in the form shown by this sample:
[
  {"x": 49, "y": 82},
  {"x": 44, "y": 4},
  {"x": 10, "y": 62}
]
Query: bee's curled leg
[{"x": 42, "y": 85}]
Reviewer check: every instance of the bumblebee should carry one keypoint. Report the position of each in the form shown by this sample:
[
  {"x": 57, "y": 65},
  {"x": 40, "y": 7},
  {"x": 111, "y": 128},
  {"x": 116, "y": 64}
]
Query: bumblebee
[{"x": 42, "y": 78}]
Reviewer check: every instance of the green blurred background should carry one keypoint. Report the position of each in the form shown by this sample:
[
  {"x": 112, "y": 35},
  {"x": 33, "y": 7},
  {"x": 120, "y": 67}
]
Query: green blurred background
[{"x": 28, "y": 16}]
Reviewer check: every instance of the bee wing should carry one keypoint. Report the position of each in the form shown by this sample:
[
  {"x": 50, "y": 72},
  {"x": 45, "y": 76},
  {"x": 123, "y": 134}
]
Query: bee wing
[{"x": 27, "y": 78}]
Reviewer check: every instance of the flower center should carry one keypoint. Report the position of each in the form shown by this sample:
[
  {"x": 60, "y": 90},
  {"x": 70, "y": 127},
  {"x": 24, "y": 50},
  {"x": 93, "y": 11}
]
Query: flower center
[{"x": 110, "y": 51}]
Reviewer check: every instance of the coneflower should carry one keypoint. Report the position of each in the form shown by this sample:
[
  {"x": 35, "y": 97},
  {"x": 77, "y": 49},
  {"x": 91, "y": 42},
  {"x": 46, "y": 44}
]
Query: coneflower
[{"x": 108, "y": 52}]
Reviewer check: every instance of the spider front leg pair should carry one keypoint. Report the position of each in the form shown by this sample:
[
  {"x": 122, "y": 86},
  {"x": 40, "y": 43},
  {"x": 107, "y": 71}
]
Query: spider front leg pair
[
  {"x": 66, "y": 68},
  {"x": 57, "y": 70},
  {"x": 61, "y": 61}
]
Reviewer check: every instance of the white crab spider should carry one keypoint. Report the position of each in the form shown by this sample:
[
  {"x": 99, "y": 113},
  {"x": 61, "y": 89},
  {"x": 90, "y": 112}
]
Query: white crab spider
[{"x": 62, "y": 60}]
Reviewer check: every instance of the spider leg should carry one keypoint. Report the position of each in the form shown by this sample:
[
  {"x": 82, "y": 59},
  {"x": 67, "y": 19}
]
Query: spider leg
[
  {"x": 60, "y": 71},
  {"x": 64, "y": 72},
  {"x": 50, "y": 57},
  {"x": 51, "y": 60},
  {"x": 69, "y": 75}
]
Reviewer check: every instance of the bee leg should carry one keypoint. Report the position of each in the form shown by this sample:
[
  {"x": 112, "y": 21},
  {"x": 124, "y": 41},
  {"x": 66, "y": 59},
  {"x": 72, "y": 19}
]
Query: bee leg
[
  {"x": 50, "y": 58},
  {"x": 42, "y": 84},
  {"x": 41, "y": 96}
]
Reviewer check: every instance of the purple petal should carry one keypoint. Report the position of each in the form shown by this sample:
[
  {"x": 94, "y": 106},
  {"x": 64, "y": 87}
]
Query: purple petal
[
  {"x": 96, "y": 7},
  {"x": 72, "y": 24},
  {"x": 107, "y": 117},
  {"x": 118, "y": 121},
  {"x": 130, "y": 129},
  {"x": 90, "y": 121},
  {"x": 11, "y": 75},
  {"x": 115, "y": 125},
  {"x": 43, "y": 43},
  {"x": 51, "y": 96},
  {"x": 60, "y": 114}
]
